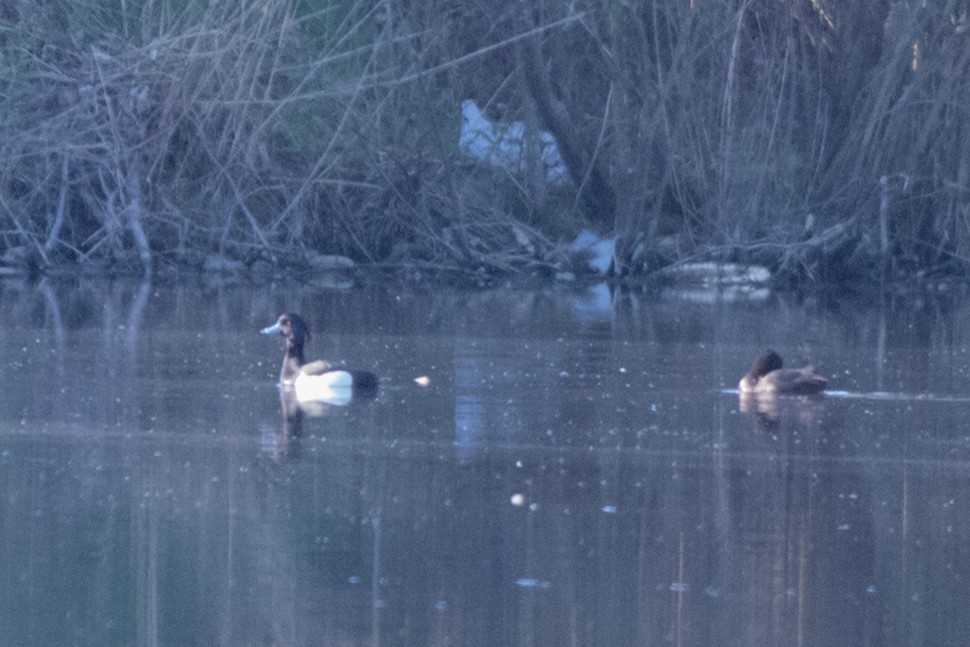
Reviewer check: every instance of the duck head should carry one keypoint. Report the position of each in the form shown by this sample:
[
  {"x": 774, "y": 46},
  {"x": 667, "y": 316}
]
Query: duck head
[
  {"x": 766, "y": 363},
  {"x": 296, "y": 333}
]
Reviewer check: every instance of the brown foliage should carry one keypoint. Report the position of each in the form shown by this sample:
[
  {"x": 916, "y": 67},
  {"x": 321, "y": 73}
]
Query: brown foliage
[{"x": 815, "y": 136}]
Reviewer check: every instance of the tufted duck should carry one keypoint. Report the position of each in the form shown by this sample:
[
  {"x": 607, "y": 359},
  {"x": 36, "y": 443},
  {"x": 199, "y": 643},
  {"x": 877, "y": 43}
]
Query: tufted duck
[
  {"x": 768, "y": 377},
  {"x": 317, "y": 380}
]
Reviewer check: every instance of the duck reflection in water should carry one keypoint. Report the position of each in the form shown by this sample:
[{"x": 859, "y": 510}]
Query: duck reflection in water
[
  {"x": 760, "y": 391},
  {"x": 288, "y": 443},
  {"x": 769, "y": 410}
]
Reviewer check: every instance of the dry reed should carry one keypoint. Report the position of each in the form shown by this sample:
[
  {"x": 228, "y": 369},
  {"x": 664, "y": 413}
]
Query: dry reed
[{"x": 813, "y": 138}]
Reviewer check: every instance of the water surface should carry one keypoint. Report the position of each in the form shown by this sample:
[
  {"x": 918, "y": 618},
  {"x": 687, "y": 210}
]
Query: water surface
[{"x": 577, "y": 471}]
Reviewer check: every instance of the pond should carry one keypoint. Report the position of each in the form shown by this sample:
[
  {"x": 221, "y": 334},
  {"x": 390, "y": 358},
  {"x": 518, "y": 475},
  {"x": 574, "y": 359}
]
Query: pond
[{"x": 576, "y": 470}]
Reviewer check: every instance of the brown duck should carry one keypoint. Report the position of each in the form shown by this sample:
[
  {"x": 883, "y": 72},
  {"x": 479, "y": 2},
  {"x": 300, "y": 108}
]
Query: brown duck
[{"x": 767, "y": 376}]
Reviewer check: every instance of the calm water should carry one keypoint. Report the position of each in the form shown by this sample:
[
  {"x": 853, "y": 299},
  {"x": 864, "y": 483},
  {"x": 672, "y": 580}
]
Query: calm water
[{"x": 574, "y": 474}]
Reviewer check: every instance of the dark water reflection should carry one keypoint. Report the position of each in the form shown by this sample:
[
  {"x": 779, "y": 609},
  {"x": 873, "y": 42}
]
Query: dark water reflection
[{"x": 573, "y": 474}]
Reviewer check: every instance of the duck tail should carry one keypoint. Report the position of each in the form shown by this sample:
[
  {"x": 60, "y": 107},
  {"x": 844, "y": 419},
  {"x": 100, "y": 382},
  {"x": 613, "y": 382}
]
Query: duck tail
[{"x": 364, "y": 383}]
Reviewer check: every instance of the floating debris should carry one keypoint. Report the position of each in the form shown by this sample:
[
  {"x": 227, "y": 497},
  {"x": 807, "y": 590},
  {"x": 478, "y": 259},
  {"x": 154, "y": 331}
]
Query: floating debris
[
  {"x": 716, "y": 282},
  {"x": 218, "y": 263},
  {"x": 329, "y": 261},
  {"x": 717, "y": 274},
  {"x": 598, "y": 251},
  {"x": 502, "y": 144}
]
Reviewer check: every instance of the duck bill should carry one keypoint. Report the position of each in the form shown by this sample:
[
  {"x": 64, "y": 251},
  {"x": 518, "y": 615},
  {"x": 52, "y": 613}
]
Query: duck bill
[{"x": 271, "y": 330}]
